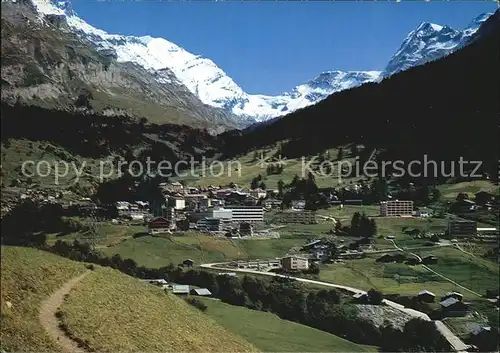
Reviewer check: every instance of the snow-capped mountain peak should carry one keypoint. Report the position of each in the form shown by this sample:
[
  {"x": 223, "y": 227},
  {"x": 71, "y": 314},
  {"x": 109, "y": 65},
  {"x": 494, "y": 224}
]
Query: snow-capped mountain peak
[
  {"x": 429, "y": 42},
  {"x": 214, "y": 87},
  {"x": 201, "y": 75}
]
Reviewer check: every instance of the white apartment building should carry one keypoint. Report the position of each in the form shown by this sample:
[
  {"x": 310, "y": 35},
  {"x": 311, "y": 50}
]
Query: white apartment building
[
  {"x": 396, "y": 208},
  {"x": 251, "y": 214},
  {"x": 217, "y": 213}
]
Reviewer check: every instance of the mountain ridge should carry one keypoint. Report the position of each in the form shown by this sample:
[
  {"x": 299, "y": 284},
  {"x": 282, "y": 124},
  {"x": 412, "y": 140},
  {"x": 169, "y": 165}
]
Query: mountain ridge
[
  {"x": 445, "y": 110},
  {"x": 214, "y": 87},
  {"x": 46, "y": 65},
  {"x": 203, "y": 78}
]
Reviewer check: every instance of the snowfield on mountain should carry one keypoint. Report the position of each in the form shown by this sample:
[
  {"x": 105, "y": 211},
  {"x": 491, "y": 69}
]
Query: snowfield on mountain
[{"x": 215, "y": 88}]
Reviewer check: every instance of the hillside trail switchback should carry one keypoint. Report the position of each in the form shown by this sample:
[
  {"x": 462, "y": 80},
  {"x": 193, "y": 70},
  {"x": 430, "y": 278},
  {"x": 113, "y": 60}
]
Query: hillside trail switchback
[{"x": 50, "y": 322}]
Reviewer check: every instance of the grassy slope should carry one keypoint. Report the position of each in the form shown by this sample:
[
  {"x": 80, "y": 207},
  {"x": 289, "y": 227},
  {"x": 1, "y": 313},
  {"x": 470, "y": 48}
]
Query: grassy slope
[
  {"x": 118, "y": 313},
  {"x": 20, "y": 151},
  {"x": 114, "y": 312},
  {"x": 451, "y": 190},
  {"x": 470, "y": 271},
  {"x": 157, "y": 252},
  {"x": 271, "y": 334},
  {"x": 389, "y": 278},
  {"x": 243, "y": 169},
  {"x": 28, "y": 277}
]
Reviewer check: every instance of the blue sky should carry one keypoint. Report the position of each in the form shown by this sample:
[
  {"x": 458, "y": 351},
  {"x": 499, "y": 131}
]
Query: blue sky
[{"x": 270, "y": 47}]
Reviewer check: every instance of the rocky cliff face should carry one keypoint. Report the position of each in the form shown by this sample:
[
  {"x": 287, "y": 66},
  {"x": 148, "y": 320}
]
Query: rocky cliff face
[{"x": 45, "y": 64}]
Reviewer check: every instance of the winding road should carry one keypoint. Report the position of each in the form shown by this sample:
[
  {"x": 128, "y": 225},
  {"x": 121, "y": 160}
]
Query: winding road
[
  {"x": 50, "y": 322},
  {"x": 453, "y": 340}
]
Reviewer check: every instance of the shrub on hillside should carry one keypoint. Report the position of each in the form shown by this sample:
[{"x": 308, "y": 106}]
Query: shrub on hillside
[{"x": 196, "y": 303}]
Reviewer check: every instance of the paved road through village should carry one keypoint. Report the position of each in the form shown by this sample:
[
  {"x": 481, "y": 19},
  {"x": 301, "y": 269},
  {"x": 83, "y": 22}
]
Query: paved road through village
[{"x": 454, "y": 341}]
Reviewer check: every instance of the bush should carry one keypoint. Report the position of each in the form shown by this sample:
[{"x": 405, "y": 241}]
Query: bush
[{"x": 196, "y": 303}]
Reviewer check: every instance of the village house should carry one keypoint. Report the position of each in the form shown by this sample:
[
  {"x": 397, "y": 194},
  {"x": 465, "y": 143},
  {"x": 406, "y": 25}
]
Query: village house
[
  {"x": 258, "y": 193},
  {"x": 177, "y": 202},
  {"x": 173, "y": 187},
  {"x": 454, "y": 307},
  {"x": 182, "y": 224},
  {"x": 157, "y": 282},
  {"x": 456, "y": 295},
  {"x": 127, "y": 209},
  {"x": 271, "y": 203},
  {"x": 159, "y": 225},
  {"x": 179, "y": 289},
  {"x": 197, "y": 201},
  {"x": 246, "y": 229},
  {"x": 429, "y": 260},
  {"x": 298, "y": 204},
  {"x": 202, "y": 292},
  {"x": 483, "y": 197},
  {"x": 426, "y": 296}
]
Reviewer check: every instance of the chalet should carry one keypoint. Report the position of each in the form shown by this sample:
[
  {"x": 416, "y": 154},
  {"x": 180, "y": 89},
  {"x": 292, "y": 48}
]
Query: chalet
[
  {"x": 426, "y": 296},
  {"x": 454, "y": 307},
  {"x": 412, "y": 261},
  {"x": 464, "y": 205},
  {"x": 385, "y": 258},
  {"x": 483, "y": 197},
  {"x": 312, "y": 245},
  {"x": 180, "y": 289},
  {"x": 204, "y": 292},
  {"x": 157, "y": 282},
  {"x": 430, "y": 259},
  {"x": 456, "y": 295},
  {"x": 182, "y": 224},
  {"x": 159, "y": 225}
]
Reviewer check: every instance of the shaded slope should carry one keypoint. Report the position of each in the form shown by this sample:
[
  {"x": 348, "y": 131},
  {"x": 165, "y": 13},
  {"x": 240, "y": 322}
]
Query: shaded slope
[{"x": 446, "y": 109}]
